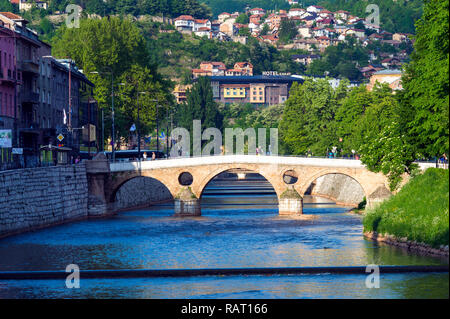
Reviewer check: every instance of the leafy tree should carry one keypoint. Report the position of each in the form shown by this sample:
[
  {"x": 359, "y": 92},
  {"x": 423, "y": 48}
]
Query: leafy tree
[
  {"x": 201, "y": 106},
  {"x": 6, "y": 6},
  {"x": 308, "y": 116},
  {"x": 385, "y": 147},
  {"x": 288, "y": 31},
  {"x": 242, "y": 18},
  {"x": 244, "y": 31},
  {"x": 265, "y": 30},
  {"x": 426, "y": 81},
  {"x": 108, "y": 45}
]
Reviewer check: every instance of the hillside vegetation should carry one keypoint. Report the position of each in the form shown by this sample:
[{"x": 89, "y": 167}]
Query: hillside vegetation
[{"x": 419, "y": 212}]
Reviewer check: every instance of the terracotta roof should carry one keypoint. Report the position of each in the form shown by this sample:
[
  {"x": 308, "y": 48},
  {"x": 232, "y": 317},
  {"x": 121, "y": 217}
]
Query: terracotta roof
[
  {"x": 11, "y": 15},
  {"x": 201, "y": 20},
  {"x": 243, "y": 64},
  {"x": 185, "y": 17},
  {"x": 199, "y": 71}
]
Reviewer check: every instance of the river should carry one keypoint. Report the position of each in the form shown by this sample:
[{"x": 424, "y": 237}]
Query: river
[{"x": 239, "y": 228}]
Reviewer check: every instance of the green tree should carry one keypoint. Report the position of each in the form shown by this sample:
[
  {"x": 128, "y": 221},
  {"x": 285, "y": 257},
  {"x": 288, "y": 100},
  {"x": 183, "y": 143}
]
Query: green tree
[
  {"x": 265, "y": 29},
  {"x": 242, "y": 18},
  {"x": 426, "y": 82},
  {"x": 105, "y": 46},
  {"x": 201, "y": 106},
  {"x": 308, "y": 117},
  {"x": 288, "y": 31}
]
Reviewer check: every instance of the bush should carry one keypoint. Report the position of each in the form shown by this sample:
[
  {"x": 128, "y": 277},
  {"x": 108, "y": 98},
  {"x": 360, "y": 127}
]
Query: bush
[{"x": 419, "y": 211}]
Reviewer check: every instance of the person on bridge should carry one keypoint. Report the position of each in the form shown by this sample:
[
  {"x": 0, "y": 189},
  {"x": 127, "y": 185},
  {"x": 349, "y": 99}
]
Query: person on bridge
[{"x": 153, "y": 156}]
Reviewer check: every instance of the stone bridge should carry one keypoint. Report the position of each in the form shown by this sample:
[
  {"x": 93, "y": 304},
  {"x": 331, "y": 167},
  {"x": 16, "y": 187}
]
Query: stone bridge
[{"x": 186, "y": 179}]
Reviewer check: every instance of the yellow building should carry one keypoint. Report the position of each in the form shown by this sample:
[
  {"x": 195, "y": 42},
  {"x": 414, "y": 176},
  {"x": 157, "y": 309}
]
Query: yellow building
[
  {"x": 234, "y": 92},
  {"x": 257, "y": 93}
]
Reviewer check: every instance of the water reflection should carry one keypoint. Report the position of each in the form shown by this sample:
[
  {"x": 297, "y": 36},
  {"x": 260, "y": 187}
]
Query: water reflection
[{"x": 234, "y": 231}]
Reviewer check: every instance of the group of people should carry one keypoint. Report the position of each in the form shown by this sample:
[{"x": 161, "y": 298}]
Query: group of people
[{"x": 144, "y": 156}]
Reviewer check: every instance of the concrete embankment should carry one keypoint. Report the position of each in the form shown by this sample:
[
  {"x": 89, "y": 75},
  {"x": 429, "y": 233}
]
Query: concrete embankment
[{"x": 412, "y": 246}]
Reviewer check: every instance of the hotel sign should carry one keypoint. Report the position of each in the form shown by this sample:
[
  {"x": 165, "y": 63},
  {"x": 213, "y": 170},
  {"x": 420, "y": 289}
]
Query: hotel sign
[{"x": 275, "y": 73}]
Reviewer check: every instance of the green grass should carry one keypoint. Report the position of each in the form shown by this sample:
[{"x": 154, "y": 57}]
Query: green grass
[{"x": 419, "y": 211}]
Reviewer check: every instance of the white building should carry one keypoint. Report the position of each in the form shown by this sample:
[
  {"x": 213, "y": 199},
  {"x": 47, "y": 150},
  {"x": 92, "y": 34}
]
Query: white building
[
  {"x": 315, "y": 9},
  {"x": 25, "y": 5}
]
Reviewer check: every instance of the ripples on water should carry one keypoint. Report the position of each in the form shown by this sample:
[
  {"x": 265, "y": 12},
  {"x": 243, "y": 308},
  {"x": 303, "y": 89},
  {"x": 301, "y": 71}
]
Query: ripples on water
[{"x": 233, "y": 231}]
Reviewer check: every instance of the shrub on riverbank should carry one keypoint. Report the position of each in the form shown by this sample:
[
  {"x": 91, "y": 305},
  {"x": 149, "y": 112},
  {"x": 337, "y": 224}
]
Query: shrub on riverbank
[{"x": 419, "y": 211}]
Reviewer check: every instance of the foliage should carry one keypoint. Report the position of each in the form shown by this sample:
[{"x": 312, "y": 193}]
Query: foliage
[
  {"x": 288, "y": 31},
  {"x": 420, "y": 210},
  {"x": 113, "y": 46},
  {"x": 341, "y": 61},
  {"x": 176, "y": 54},
  {"x": 6, "y": 6},
  {"x": 171, "y": 8},
  {"x": 219, "y": 6},
  {"x": 201, "y": 106},
  {"x": 307, "y": 121},
  {"x": 141, "y": 92},
  {"x": 427, "y": 81},
  {"x": 242, "y": 18},
  {"x": 395, "y": 15}
]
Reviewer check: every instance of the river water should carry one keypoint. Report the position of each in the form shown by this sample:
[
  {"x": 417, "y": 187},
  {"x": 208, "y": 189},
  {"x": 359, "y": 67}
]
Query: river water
[{"x": 239, "y": 228}]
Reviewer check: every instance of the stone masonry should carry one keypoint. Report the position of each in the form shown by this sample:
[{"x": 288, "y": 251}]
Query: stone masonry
[{"x": 35, "y": 198}]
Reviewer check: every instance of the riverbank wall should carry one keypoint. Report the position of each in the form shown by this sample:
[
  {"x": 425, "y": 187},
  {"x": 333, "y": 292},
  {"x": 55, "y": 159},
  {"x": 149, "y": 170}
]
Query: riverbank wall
[
  {"x": 409, "y": 245},
  {"x": 35, "y": 198}
]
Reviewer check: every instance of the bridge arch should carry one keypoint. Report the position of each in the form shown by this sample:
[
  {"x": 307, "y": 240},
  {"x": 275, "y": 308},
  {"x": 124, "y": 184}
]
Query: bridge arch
[
  {"x": 303, "y": 188},
  {"x": 219, "y": 170},
  {"x": 159, "y": 194}
]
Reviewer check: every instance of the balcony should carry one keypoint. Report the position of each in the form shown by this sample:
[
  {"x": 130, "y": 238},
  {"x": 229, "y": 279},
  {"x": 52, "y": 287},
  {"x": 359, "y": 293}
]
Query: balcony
[
  {"x": 6, "y": 76},
  {"x": 29, "y": 97},
  {"x": 29, "y": 66}
]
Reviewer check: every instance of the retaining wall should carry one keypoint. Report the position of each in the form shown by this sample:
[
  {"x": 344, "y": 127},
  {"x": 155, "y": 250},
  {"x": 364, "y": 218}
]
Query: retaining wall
[{"x": 40, "y": 197}]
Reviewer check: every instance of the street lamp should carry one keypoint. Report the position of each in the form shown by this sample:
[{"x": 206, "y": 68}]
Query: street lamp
[
  {"x": 112, "y": 109},
  {"x": 139, "y": 126}
]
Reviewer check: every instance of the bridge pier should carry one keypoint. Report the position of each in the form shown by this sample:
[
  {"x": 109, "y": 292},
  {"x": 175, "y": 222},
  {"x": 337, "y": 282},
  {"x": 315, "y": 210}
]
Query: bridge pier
[
  {"x": 187, "y": 204},
  {"x": 98, "y": 172},
  {"x": 290, "y": 202},
  {"x": 378, "y": 196}
]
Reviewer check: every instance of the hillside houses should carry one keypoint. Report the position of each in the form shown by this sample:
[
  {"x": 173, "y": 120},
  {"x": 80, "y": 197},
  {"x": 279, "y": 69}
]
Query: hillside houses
[
  {"x": 317, "y": 29},
  {"x": 320, "y": 26},
  {"x": 219, "y": 69}
]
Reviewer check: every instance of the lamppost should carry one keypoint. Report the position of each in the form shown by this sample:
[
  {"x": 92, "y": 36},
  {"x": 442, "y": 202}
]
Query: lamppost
[
  {"x": 112, "y": 110},
  {"x": 139, "y": 126}
]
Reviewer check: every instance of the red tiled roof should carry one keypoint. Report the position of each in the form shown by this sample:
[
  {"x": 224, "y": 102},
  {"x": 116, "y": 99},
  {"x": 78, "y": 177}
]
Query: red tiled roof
[
  {"x": 243, "y": 64},
  {"x": 11, "y": 15},
  {"x": 185, "y": 17}
]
